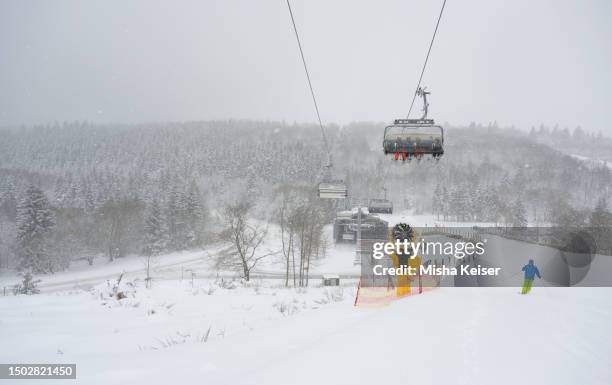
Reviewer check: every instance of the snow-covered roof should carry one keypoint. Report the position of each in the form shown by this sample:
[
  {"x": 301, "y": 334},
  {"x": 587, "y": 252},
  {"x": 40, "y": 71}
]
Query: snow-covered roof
[{"x": 331, "y": 276}]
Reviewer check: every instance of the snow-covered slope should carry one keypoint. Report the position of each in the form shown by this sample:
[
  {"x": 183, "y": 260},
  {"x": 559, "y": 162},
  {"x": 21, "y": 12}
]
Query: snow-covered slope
[
  {"x": 446, "y": 336},
  {"x": 219, "y": 331},
  {"x": 591, "y": 160}
]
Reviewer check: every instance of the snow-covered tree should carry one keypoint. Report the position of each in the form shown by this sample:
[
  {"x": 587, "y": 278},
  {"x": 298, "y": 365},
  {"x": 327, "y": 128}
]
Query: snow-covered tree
[
  {"x": 460, "y": 203},
  {"x": 195, "y": 214},
  {"x": 34, "y": 222},
  {"x": 156, "y": 231},
  {"x": 156, "y": 237},
  {"x": 601, "y": 226},
  {"x": 104, "y": 177},
  {"x": 519, "y": 214},
  {"x": 601, "y": 216},
  {"x": 246, "y": 239},
  {"x": 437, "y": 201},
  {"x": 28, "y": 285},
  {"x": 175, "y": 214}
]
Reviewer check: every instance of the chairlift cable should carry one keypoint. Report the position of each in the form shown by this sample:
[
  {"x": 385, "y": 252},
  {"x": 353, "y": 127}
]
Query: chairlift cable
[
  {"x": 329, "y": 189},
  {"x": 426, "y": 59},
  {"x": 314, "y": 99}
]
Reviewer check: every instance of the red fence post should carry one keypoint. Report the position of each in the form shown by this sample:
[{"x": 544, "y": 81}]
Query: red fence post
[{"x": 357, "y": 295}]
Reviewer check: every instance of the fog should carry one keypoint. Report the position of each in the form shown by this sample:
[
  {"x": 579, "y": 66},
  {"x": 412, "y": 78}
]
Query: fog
[{"x": 517, "y": 62}]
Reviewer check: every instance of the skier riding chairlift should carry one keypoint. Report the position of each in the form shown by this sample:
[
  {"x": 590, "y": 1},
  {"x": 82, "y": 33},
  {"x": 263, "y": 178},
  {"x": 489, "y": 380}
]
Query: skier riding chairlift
[{"x": 413, "y": 138}]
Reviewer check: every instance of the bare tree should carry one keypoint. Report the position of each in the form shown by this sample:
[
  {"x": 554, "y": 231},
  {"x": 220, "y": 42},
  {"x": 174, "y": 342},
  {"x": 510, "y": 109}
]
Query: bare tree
[
  {"x": 301, "y": 221},
  {"x": 245, "y": 237},
  {"x": 287, "y": 233},
  {"x": 309, "y": 224},
  {"x": 148, "y": 262}
]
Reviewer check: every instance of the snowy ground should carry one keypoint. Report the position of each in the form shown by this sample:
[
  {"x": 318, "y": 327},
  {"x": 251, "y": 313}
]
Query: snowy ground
[
  {"x": 82, "y": 276},
  {"x": 268, "y": 335},
  {"x": 340, "y": 260},
  {"x": 221, "y": 331},
  {"x": 592, "y": 161}
]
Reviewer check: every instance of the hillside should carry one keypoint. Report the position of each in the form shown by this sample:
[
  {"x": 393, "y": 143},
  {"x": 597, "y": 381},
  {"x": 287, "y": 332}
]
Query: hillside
[{"x": 100, "y": 179}]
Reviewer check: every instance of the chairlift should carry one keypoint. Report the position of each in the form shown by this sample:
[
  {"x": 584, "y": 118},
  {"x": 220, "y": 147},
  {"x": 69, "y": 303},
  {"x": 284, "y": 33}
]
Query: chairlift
[
  {"x": 328, "y": 188},
  {"x": 364, "y": 226},
  {"x": 334, "y": 189},
  {"x": 347, "y": 223},
  {"x": 380, "y": 206},
  {"x": 409, "y": 139}
]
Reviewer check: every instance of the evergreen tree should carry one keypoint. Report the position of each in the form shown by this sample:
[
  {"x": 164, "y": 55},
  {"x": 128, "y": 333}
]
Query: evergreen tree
[
  {"x": 34, "y": 221},
  {"x": 195, "y": 215},
  {"x": 473, "y": 204},
  {"x": 601, "y": 226},
  {"x": 8, "y": 202},
  {"x": 89, "y": 200},
  {"x": 601, "y": 217},
  {"x": 436, "y": 200},
  {"x": 175, "y": 215},
  {"x": 491, "y": 205},
  {"x": 27, "y": 286},
  {"x": 519, "y": 214},
  {"x": 156, "y": 231},
  {"x": 445, "y": 202},
  {"x": 505, "y": 185},
  {"x": 460, "y": 203},
  {"x": 519, "y": 181}
]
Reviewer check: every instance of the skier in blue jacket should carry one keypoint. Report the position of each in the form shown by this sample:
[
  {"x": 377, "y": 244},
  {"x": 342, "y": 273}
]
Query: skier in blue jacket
[{"x": 531, "y": 271}]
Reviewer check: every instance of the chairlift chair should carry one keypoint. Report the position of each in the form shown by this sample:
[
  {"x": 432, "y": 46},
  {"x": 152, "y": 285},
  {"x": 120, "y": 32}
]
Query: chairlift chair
[
  {"x": 335, "y": 189},
  {"x": 380, "y": 206},
  {"x": 413, "y": 138}
]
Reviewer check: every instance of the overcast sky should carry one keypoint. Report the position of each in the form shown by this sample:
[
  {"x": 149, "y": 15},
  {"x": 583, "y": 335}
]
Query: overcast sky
[{"x": 521, "y": 62}]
